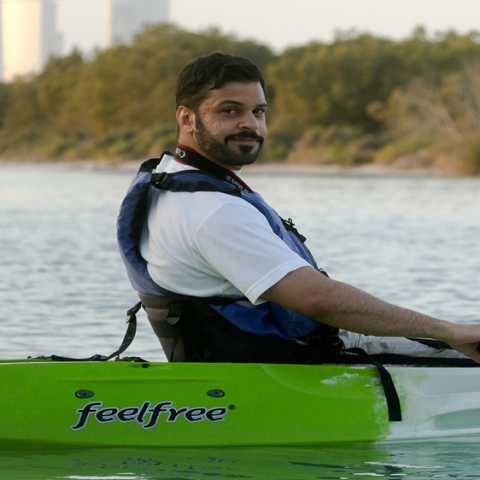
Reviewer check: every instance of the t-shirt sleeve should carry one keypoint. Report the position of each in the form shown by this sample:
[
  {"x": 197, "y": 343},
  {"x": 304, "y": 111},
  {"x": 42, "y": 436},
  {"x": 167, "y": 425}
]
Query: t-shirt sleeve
[{"x": 237, "y": 241}]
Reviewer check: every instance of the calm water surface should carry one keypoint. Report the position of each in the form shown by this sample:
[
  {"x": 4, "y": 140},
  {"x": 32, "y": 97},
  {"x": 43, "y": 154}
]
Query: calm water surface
[{"x": 63, "y": 290}]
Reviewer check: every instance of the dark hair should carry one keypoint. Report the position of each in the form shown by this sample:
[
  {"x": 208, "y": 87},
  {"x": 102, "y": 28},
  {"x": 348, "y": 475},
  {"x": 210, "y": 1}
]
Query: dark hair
[{"x": 213, "y": 71}]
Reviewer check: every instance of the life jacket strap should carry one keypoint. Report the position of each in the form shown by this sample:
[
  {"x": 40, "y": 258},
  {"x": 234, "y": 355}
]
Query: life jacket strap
[
  {"x": 164, "y": 314},
  {"x": 131, "y": 320}
]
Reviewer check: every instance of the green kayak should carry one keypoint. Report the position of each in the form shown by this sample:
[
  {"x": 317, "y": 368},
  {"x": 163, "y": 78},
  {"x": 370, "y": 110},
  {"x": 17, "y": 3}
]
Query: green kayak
[{"x": 47, "y": 404}]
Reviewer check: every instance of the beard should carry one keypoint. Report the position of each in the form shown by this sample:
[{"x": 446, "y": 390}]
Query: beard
[{"x": 220, "y": 151}]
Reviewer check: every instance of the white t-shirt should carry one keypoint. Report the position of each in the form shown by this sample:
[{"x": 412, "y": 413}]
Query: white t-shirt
[{"x": 212, "y": 244}]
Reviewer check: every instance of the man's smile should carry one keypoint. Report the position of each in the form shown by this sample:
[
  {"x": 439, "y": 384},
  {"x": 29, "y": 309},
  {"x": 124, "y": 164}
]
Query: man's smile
[{"x": 246, "y": 138}]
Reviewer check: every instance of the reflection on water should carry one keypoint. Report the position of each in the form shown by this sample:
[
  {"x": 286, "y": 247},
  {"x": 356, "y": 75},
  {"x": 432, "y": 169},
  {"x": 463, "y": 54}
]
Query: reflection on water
[
  {"x": 418, "y": 461},
  {"x": 63, "y": 290}
]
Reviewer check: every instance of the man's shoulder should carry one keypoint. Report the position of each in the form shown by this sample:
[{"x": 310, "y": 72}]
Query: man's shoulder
[{"x": 168, "y": 164}]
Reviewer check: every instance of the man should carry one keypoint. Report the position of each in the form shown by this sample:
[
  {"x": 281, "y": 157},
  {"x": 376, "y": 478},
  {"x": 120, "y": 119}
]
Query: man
[{"x": 209, "y": 239}]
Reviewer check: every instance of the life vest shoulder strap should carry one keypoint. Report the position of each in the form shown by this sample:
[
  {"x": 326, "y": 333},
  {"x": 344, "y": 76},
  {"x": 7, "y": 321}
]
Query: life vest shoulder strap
[{"x": 184, "y": 181}]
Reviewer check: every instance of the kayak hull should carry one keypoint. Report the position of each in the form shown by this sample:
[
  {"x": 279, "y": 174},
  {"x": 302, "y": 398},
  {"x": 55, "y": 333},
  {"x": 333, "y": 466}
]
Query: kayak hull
[{"x": 47, "y": 404}]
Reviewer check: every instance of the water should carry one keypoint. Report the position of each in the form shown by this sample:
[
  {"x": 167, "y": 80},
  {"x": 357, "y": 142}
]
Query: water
[
  {"x": 63, "y": 290},
  {"x": 412, "y": 462}
]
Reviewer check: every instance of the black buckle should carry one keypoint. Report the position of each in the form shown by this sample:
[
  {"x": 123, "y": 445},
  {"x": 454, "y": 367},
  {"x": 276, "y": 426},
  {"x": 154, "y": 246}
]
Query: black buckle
[{"x": 174, "y": 313}]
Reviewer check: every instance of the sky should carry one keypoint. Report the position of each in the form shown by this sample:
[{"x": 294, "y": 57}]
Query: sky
[{"x": 284, "y": 23}]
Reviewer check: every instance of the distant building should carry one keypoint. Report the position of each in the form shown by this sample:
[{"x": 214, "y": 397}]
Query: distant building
[
  {"x": 125, "y": 18},
  {"x": 29, "y": 36},
  {"x": 1, "y": 45},
  {"x": 29, "y": 31}
]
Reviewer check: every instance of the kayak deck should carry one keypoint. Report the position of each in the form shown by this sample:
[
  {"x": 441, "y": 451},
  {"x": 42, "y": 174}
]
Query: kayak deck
[{"x": 47, "y": 404}]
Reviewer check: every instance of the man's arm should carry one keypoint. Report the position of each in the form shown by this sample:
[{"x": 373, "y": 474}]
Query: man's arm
[{"x": 341, "y": 305}]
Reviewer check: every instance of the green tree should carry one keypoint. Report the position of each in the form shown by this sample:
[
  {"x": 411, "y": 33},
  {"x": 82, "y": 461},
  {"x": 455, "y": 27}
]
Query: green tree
[
  {"x": 334, "y": 84},
  {"x": 445, "y": 105},
  {"x": 5, "y": 101},
  {"x": 55, "y": 87},
  {"x": 133, "y": 87},
  {"x": 24, "y": 110}
]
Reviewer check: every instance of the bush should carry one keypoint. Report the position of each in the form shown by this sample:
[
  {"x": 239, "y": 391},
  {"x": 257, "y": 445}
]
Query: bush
[
  {"x": 279, "y": 143},
  {"x": 458, "y": 156},
  {"x": 413, "y": 148},
  {"x": 339, "y": 145},
  {"x": 472, "y": 157}
]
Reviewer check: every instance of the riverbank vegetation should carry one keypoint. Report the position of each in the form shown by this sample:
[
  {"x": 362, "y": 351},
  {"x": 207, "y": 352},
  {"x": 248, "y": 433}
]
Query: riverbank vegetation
[{"x": 358, "y": 100}]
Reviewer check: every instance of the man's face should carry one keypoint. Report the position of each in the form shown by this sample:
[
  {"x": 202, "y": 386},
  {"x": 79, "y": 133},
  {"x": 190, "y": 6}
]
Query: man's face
[{"x": 230, "y": 124}]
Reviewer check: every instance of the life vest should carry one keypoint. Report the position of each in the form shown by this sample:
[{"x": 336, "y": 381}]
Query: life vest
[{"x": 264, "y": 319}]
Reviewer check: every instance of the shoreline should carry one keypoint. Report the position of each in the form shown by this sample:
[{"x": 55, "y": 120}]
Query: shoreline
[
  {"x": 282, "y": 168},
  {"x": 338, "y": 170}
]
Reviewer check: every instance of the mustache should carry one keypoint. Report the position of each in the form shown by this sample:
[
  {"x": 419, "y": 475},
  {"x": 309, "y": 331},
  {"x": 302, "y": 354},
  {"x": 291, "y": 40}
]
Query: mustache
[{"x": 245, "y": 134}]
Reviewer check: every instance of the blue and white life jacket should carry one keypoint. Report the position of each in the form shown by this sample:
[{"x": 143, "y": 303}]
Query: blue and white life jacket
[{"x": 264, "y": 319}]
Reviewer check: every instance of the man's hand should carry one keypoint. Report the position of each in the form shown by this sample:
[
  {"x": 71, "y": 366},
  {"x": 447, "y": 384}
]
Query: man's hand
[{"x": 465, "y": 340}]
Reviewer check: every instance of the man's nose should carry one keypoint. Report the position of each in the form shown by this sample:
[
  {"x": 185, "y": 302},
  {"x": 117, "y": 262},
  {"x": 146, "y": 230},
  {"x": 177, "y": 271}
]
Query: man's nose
[{"x": 249, "y": 121}]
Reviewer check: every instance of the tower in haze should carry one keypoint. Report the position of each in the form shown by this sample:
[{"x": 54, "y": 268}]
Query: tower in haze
[
  {"x": 125, "y": 18},
  {"x": 1, "y": 46},
  {"x": 28, "y": 36}
]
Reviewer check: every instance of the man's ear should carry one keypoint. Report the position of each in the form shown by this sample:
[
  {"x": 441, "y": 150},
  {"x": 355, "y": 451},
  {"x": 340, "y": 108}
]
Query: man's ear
[{"x": 185, "y": 119}]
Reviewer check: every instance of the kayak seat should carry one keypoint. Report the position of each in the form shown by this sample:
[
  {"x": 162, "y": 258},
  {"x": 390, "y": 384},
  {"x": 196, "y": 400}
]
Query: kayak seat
[{"x": 190, "y": 330}]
